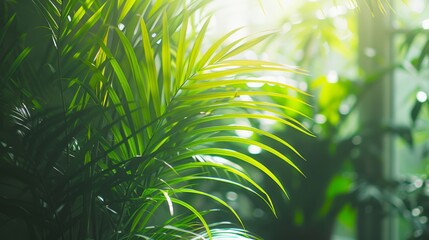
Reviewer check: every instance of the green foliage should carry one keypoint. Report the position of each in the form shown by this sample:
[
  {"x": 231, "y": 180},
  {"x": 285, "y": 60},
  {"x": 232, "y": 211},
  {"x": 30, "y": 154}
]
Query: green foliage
[
  {"x": 113, "y": 112},
  {"x": 326, "y": 37}
]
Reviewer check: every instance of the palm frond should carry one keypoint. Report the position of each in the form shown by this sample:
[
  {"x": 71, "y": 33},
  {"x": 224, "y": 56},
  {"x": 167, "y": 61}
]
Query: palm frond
[{"x": 146, "y": 110}]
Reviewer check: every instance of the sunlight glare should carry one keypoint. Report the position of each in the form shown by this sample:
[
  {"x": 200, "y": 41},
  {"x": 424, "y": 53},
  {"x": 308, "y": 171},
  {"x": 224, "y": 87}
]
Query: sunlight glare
[
  {"x": 425, "y": 24},
  {"x": 243, "y": 133},
  {"x": 320, "y": 118},
  {"x": 421, "y": 96},
  {"x": 255, "y": 84},
  {"x": 370, "y": 52},
  {"x": 337, "y": 11},
  {"x": 253, "y": 149},
  {"x": 417, "y": 5},
  {"x": 303, "y": 86},
  {"x": 245, "y": 98},
  {"x": 332, "y": 77},
  {"x": 320, "y": 15}
]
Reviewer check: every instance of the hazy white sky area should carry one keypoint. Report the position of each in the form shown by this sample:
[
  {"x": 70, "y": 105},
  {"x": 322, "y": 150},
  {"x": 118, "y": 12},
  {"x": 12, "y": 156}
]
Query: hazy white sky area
[{"x": 260, "y": 15}]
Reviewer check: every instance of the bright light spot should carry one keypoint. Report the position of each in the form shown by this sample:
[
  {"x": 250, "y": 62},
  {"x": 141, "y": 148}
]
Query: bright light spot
[
  {"x": 245, "y": 98},
  {"x": 320, "y": 15},
  {"x": 153, "y": 35},
  {"x": 268, "y": 121},
  {"x": 244, "y": 133},
  {"x": 340, "y": 23},
  {"x": 231, "y": 196},
  {"x": 416, "y": 212},
  {"x": 158, "y": 42},
  {"x": 332, "y": 77},
  {"x": 421, "y": 96},
  {"x": 121, "y": 26},
  {"x": 417, "y": 5},
  {"x": 303, "y": 86},
  {"x": 320, "y": 118},
  {"x": 255, "y": 84},
  {"x": 423, "y": 219},
  {"x": 266, "y": 124},
  {"x": 370, "y": 52},
  {"x": 425, "y": 24},
  {"x": 69, "y": 18},
  {"x": 219, "y": 160},
  {"x": 336, "y": 11},
  {"x": 253, "y": 149},
  {"x": 418, "y": 183}
]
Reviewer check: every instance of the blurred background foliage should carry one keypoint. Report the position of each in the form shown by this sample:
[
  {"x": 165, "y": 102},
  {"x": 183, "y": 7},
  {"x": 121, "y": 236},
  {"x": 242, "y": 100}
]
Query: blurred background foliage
[{"x": 322, "y": 37}]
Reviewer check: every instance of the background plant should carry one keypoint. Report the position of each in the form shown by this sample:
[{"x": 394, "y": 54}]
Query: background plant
[{"x": 321, "y": 36}]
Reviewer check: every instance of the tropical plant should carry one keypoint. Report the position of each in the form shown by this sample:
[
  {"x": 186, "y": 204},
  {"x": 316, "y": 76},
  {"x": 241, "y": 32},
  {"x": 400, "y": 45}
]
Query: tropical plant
[
  {"x": 117, "y": 114},
  {"x": 335, "y": 164},
  {"x": 326, "y": 36},
  {"x": 319, "y": 37},
  {"x": 411, "y": 195}
]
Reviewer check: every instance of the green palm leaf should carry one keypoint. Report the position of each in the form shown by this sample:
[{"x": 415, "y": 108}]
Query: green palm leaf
[{"x": 143, "y": 111}]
